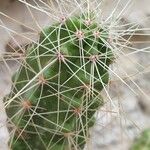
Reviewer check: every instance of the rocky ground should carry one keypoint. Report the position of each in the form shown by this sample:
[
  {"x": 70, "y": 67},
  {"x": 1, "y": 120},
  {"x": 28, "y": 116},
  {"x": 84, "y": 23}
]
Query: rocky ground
[{"x": 117, "y": 124}]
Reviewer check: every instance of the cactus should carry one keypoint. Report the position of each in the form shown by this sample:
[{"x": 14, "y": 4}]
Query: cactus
[
  {"x": 56, "y": 90},
  {"x": 143, "y": 142}
]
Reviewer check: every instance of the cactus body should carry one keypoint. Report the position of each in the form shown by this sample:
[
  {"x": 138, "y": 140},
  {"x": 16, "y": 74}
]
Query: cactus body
[
  {"x": 143, "y": 142},
  {"x": 60, "y": 82}
]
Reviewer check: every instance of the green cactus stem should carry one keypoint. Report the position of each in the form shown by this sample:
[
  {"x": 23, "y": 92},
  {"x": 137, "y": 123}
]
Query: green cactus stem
[
  {"x": 56, "y": 91},
  {"x": 143, "y": 142}
]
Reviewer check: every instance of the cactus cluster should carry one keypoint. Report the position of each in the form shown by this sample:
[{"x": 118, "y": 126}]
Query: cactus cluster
[
  {"x": 56, "y": 91},
  {"x": 143, "y": 142}
]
